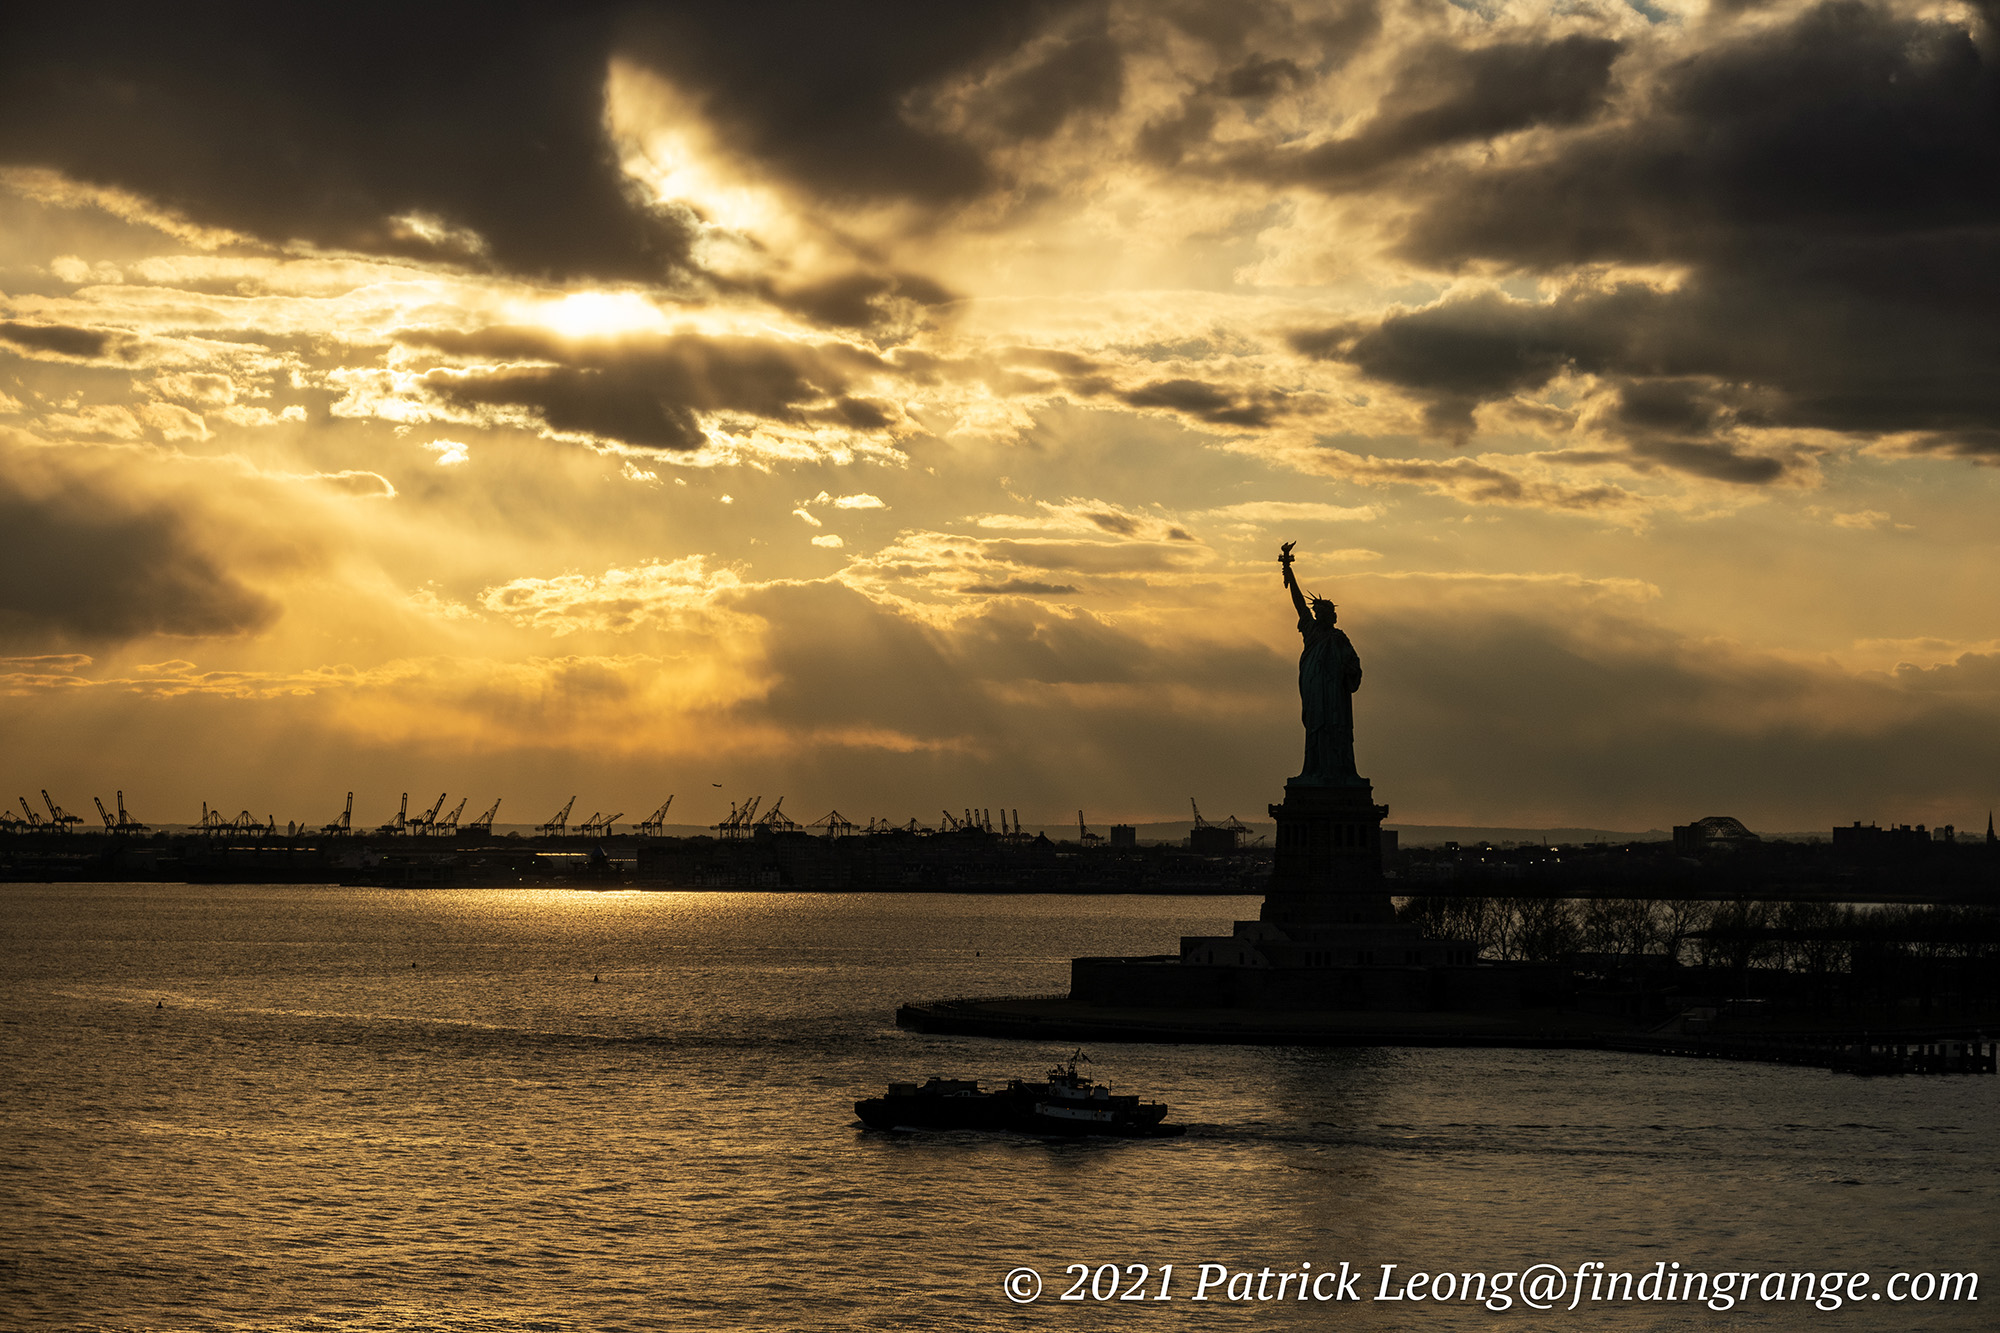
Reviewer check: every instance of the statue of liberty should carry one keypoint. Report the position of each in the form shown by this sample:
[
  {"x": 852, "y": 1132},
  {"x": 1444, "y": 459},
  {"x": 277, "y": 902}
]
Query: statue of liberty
[{"x": 1329, "y": 674}]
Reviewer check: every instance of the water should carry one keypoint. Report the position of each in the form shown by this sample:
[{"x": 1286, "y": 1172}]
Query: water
[{"x": 320, "y": 1108}]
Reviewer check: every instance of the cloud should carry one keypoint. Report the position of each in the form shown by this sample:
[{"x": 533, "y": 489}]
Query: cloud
[
  {"x": 1445, "y": 95},
  {"x": 672, "y": 593},
  {"x": 348, "y": 481},
  {"x": 1606, "y": 715},
  {"x": 1295, "y": 511},
  {"x": 1031, "y": 95},
  {"x": 1832, "y": 247},
  {"x": 827, "y": 109},
  {"x": 61, "y": 341},
  {"x": 1203, "y": 402},
  {"x": 1490, "y": 479},
  {"x": 651, "y": 393},
  {"x": 348, "y": 135},
  {"x": 1484, "y": 347},
  {"x": 105, "y": 569}
]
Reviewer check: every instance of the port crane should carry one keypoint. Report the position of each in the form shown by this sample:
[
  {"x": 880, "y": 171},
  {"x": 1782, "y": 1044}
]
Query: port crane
[
  {"x": 125, "y": 822},
  {"x": 449, "y": 824},
  {"x": 776, "y": 821},
  {"x": 402, "y": 819},
  {"x": 212, "y": 821},
  {"x": 836, "y": 824},
  {"x": 34, "y": 820},
  {"x": 484, "y": 824},
  {"x": 737, "y": 825},
  {"x": 60, "y": 817},
  {"x": 595, "y": 827},
  {"x": 654, "y": 825},
  {"x": 110, "y": 824},
  {"x": 344, "y": 824},
  {"x": 1084, "y": 836},
  {"x": 427, "y": 822},
  {"x": 558, "y": 826}
]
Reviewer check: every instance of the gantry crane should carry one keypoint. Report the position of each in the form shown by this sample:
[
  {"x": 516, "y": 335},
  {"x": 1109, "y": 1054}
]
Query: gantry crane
[
  {"x": 126, "y": 823},
  {"x": 484, "y": 824},
  {"x": 427, "y": 822},
  {"x": 344, "y": 824},
  {"x": 836, "y": 824},
  {"x": 34, "y": 820},
  {"x": 558, "y": 826},
  {"x": 737, "y": 825},
  {"x": 402, "y": 819},
  {"x": 595, "y": 827},
  {"x": 59, "y": 816},
  {"x": 654, "y": 825}
]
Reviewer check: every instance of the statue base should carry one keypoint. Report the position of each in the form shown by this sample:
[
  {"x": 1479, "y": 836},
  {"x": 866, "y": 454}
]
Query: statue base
[
  {"x": 1327, "y": 868},
  {"x": 1326, "y": 939}
]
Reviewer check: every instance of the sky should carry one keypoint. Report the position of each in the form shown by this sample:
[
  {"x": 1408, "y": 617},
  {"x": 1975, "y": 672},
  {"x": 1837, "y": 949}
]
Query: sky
[{"x": 898, "y": 407}]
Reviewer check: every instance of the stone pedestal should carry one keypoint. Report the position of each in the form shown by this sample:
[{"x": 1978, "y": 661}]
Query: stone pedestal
[{"x": 1327, "y": 870}]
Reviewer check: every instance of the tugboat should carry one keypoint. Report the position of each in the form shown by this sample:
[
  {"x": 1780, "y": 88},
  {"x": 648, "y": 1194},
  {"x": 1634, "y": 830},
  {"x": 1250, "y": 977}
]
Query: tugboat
[{"x": 1065, "y": 1103}]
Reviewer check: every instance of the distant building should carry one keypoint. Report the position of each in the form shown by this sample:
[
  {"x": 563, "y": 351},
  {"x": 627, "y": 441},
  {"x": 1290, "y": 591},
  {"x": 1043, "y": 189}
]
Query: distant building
[
  {"x": 1898, "y": 842},
  {"x": 1124, "y": 835},
  {"x": 1717, "y": 833},
  {"x": 1213, "y": 840}
]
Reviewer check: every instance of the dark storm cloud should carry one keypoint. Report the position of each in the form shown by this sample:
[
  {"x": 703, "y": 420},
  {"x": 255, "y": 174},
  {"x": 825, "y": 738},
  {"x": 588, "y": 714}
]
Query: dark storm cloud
[
  {"x": 1850, "y": 122},
  {"x": 1204, "y": 402},
  {"x": 61, "y": 339},
  {"x": 645, "y": 392},
  {"x": 858, "y": 300},
  {"x": 92, "y": 569},
  {"x": 67, "y": 342},
  {"x": 1246, "y": 39},
  {"x": 1079, "y": 72},
  {"x": 323, "y": 125},
  {"x": 1830, "y": 189},
  {"x": 1245, "y": 33},
  {"x": 821, "y": 93},
  {"x": 1981, "y": 446},
  {"x": 1260, "y": 77},
  {"x": 1447, "y": 95},
  {"x": 1728, "y": 348}
]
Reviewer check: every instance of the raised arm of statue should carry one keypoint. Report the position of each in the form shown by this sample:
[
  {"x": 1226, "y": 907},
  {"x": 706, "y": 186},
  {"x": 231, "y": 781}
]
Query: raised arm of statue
[{"x": 1292, "y": 583}]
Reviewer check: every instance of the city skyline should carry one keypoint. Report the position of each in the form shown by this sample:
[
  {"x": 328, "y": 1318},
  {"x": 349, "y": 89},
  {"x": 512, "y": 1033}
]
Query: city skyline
[{"x": 884, "y": 409}]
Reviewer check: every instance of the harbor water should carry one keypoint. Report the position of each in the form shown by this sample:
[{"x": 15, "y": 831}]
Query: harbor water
[{"x": 251, "y": 1108}]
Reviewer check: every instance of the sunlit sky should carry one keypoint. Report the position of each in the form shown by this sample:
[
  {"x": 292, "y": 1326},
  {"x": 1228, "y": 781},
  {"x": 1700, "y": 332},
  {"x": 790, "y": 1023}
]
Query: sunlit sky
[{"x": 899, "y": 407}]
